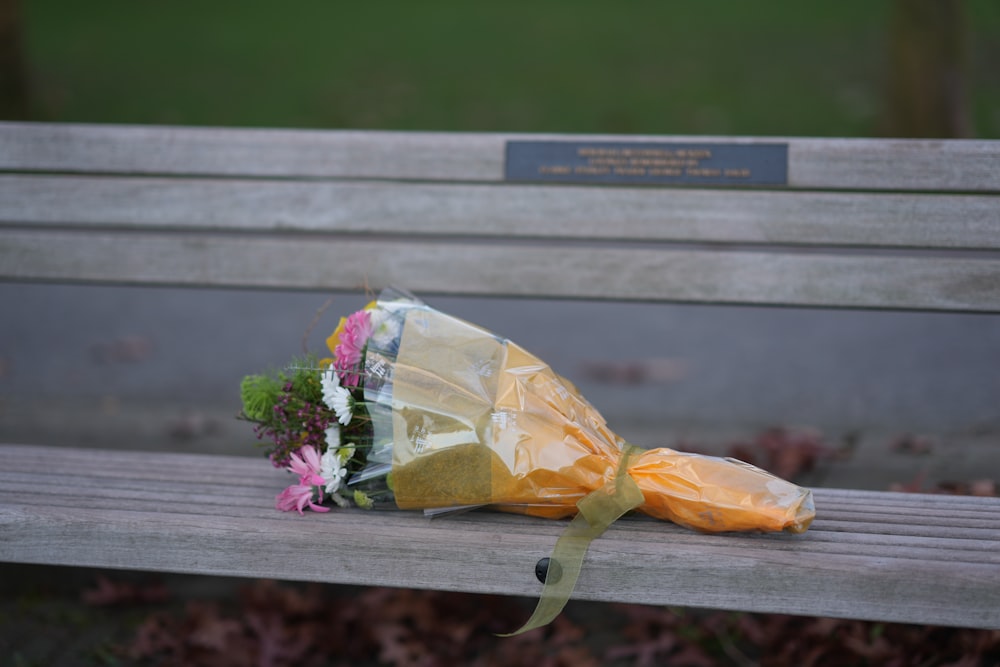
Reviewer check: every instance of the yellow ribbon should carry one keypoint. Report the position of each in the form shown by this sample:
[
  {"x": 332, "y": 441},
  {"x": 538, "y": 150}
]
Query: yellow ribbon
[{"x": 598, "y": 510}]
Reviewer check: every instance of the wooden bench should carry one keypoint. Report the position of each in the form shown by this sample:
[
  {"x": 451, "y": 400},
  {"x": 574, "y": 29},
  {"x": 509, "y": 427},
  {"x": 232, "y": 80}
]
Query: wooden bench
[{"x": 851, "y": 223}]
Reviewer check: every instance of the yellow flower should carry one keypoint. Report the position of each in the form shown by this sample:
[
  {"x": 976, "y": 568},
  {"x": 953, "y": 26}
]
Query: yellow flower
[{"x": 334, "y": 340}]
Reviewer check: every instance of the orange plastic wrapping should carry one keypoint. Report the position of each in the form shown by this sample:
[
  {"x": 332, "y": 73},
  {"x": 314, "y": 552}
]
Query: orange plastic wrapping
[{"x": 477, "y": 420}]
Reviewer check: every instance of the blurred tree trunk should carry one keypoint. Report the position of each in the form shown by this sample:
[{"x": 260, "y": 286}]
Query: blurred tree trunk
[
  {"x": 927, "y": 70},
  {"x": 13, "y": 80}
]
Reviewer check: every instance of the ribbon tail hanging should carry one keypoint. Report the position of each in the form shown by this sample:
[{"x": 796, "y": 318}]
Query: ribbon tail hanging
[{"x": 598, "y": 510}]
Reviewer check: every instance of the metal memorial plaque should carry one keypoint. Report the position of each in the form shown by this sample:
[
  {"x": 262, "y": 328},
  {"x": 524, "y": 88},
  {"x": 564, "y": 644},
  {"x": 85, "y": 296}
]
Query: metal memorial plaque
[{"x": 647, "y": 163}]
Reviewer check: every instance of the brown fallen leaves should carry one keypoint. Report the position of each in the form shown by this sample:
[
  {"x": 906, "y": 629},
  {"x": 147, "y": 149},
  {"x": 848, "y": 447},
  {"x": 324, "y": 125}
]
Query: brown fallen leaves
[
  {"x": 665, "y": 636},
  {"x": 784, "y": 452},
  {"x": 112, "y": 593},
  {"x": 986, "y": 488},
  {"x": 274, "y": 625}
]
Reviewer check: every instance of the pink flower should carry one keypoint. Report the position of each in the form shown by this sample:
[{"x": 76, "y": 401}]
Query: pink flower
[
  {"x": 297, "y": 496},
  {"x": 357, "y": 330},
  {"x": 307, "y": 467}
]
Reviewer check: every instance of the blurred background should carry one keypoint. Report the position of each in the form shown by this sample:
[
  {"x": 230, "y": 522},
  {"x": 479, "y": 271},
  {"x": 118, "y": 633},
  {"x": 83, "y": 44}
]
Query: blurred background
[
  {"x": 852, "y": 68},
  {"x": 118, "y": 366}
]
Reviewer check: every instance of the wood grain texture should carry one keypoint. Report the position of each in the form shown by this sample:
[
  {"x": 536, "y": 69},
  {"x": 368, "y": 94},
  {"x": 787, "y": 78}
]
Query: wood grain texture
[
  {"x": 504, "y": 269},
  {"x": 612, "y": 214},
  {"x": 867, "y": 164},
  {"x": 894, "y": 557}
]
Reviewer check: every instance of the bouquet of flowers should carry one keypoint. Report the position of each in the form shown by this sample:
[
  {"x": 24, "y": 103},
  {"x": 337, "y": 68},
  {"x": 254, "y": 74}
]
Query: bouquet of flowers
[{"x": 416, "y": 409}]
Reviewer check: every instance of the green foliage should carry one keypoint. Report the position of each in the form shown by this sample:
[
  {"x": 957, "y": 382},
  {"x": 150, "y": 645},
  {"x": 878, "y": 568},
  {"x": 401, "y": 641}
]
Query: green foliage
[
  {"x": 259, "y": 394},
  {"x": 304, "y": 373}
]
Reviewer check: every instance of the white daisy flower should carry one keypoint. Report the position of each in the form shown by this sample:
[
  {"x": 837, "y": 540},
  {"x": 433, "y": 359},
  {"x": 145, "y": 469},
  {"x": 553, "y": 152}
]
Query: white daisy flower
[
  {"x": 342, "y": 404},
  {"x": 332, "y": 470},
  {"x": 332, "y": 434},
  {"x": 330, "y": 382}
]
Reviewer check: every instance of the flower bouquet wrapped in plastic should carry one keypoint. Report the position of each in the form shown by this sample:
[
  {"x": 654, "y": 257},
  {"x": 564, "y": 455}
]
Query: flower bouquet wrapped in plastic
[{"x": 416, "y": 409}]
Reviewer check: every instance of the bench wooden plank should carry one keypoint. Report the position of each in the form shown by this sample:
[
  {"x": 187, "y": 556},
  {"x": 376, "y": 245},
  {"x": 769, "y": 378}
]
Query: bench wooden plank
[
  {"x": 962, "y": 539},
  {"x": 158, "y": 511},
  {"x": 504, "y": 268},
  {"x": 614, "y": 214},
  {"x": 856, "y": 164}
]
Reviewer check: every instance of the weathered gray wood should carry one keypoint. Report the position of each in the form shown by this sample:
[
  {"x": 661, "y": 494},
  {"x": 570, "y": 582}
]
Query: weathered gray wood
[
  {"x": 878, "y": 164},
  {"x": 342, "y": 210},
  {"x": 642, "y": 214},
  {"x": 862, "y": 164},
  {"x": 213, "y": 515},
  {"x": 502, "y": 268}
]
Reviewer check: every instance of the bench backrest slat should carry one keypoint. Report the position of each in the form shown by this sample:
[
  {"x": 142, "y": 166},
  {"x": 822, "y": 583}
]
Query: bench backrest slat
[
  {"x": 885, "y": 220},
  {"x": 506, "y": 269},
  {"x": 887, "y": 223},
  {"x": 861, "y": 164}
]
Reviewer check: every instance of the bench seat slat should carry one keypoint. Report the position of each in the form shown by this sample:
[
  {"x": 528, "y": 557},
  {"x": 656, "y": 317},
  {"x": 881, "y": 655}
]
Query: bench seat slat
[
  {"x": 614, "y": 214},
  {"x": 142, "y": 467},
  {"x": 93, "y": 491},
  {"x": 823, "y": 572},
  {"x": 501, "y": 268},
  {"x": 913, "y": 520},
  {"x": 865, "y": 164},
  {"x": 928, "y": 543},
  {"x": 133, "y": 474}
]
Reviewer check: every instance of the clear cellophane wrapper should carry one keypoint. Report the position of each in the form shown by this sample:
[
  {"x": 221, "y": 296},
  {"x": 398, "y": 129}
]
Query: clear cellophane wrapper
[{"x": 463, "y": 417}]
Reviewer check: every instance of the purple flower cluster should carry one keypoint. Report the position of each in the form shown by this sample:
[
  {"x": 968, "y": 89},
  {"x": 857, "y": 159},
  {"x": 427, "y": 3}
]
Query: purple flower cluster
[{"x": 296, "y": 423}]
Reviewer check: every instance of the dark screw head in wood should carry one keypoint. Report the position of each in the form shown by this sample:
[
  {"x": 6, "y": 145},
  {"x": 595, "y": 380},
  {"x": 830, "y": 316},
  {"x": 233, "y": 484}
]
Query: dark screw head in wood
[{"x": 542, "y": 568}]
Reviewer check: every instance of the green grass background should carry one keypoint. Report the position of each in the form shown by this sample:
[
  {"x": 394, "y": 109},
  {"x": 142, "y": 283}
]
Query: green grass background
[{"x": 729, "y": 67}]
